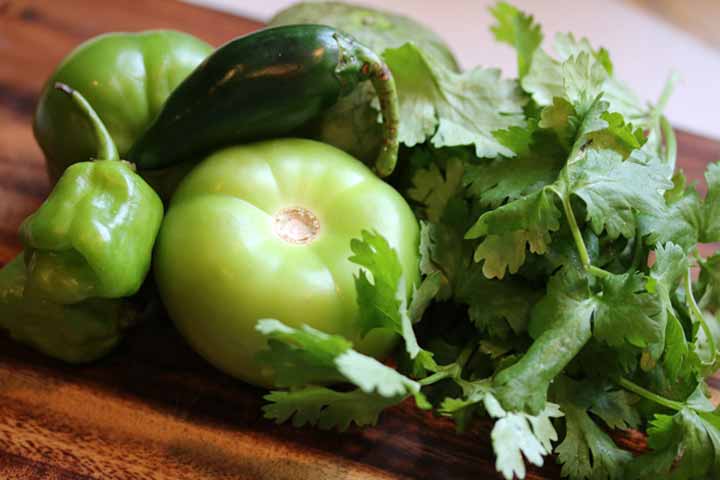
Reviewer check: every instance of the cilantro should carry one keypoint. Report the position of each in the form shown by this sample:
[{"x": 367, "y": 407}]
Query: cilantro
[
  {"x": 711, "y": 205},
  {"x": 586, "y": 452},
  {"x": 680, "y": 221},
  {"x": 612, "y": 195},
  {"x": 325, "y": 408},
  {"x": 623, "y": 297},
  {"x": 709, "y": 282},
  {"x": 304, "y": 357},
  {"x": 495, "y": 182},
  {"x": 556, "y": 247},
  {"x": 511, "y": 228},
  {"x": 515, "y": 435},
  {"x": 685, "y": 445},
  {"x": 449, "y": 109},
  {"x": 560, "y": 326},
  {"x": 434, "y": 188},
  {"x": 517, "y": 30},
  {"x": 383, "y": 303}
]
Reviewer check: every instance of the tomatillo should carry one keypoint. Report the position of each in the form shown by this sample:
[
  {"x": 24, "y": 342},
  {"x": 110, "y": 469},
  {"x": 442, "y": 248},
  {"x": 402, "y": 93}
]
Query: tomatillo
[{"x": 263, "y": 231}]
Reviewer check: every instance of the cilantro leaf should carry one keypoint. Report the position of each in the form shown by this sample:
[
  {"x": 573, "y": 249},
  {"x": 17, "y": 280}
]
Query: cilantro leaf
[
  {"x": 517, "y": 30},
  {"x": 676, "y": 347},
  {"x": 517, "y": 139},
  {"x": 619, "y": 136},
  {"x": 294, "y": 351},
  {"x": 560, "y": 117},
  {"x": 511, "y": 228},
  {"x": 434, "y": 187},
  {"x": 518, "y": 435},
  {"x": 545, "y": 79},
  {"x": 305, "y": 356},
  {"x": 325, "y": 408},
  {"x": 497, "y": 181},
  {"x": 709, "y": 281},
  {"x": 624, "y": 297},
  {"x": 450, "y": 109},
  {"x": 561, "y": 326},
  {"x": 587, "y": 452},
  {"x": 615, "y": 408},
  {"x": 711, "y": 205},
  {"x": 497, "y": 307},
  {"x": 566, "y": 46},
  {"x": 685, "y": 446},
  {"x": 583, "y": 79},
  {"x": 300, "y": 357},
  {"x": 515, "y": 435},
  {"x": 667, "y": 272},
  {"x": 681, "y": 222},
  {"x": 612, "y": 194},
  {"x": 382, "y": 303}
]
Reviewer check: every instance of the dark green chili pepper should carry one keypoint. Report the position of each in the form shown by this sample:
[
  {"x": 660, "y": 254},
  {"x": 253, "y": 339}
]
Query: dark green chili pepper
[
  {"x": 93, "y": 237},
  {"x": 266, "y": 84}
]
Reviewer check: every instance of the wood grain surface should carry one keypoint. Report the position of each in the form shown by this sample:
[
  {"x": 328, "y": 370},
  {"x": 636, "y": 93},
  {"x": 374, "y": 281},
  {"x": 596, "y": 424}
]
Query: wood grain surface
[{"x": 153, "y": 409}]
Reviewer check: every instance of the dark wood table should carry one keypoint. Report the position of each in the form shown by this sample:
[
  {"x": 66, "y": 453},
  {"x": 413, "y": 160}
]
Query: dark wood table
[{"x": 153, "y": 409}]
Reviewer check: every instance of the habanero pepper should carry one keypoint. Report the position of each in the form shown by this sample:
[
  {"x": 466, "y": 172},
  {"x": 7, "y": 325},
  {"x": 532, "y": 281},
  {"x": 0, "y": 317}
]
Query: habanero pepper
[
  {"x": 266, "y": 84},
  {"x": 93, "y": 237}
]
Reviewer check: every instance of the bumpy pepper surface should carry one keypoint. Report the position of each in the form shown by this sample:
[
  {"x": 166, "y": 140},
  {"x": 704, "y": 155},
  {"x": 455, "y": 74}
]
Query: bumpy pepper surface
[
  {"x": 126, "y": 77},
  {"x": 93, "y": 237},
  {"x": 267, "y": 84},
  {"x": 273, "y": 222},
  {"x": 76, "y": 333}
]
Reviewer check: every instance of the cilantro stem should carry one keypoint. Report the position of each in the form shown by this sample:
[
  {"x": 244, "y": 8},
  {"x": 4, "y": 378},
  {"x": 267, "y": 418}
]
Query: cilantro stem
[
  {"x": 452, "y": 370},
  {"x": 695, "y": 311},
  {"x": 436, "y": 377},
  {"x": 579, "y": 242},
  {"x": 647, "y": 394},
  {"x": 637, "y": 250},
  {"x": 598, "y": 272},
  {"x": 575, "y": 230},
  {"x": 670, "y": 142}
]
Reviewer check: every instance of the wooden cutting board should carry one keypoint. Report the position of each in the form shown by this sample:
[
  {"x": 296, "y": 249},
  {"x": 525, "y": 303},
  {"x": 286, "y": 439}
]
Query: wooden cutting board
[{"x": 153, "y": 409}]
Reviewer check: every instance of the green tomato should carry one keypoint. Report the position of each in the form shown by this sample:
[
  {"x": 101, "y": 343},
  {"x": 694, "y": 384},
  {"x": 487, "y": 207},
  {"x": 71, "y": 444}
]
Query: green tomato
[{"x": 263, "y": 231}]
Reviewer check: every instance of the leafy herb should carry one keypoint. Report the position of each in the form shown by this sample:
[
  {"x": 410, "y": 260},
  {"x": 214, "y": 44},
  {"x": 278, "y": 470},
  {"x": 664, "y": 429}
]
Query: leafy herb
[{"x": 557, "y": 247}]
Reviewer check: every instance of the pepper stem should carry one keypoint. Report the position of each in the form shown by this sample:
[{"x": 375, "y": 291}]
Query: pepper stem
[
  {"x": 358, "y": 63},
  {"x": 384, "y": 84},
  {"x": 106, "y": 149}
]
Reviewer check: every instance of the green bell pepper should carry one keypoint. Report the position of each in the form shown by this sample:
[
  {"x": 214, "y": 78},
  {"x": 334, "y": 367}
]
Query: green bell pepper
[
  {"x": 93, "y": 237},
  {"x": 75, "y": 333},
  {"x": 126, "y": 77}
]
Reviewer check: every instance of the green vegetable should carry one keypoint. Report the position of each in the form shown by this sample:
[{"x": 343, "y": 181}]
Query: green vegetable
[
  {"x": 126, "y": 77},
  {"x": 306, "y": 355},
  {"x": 266, "y": 84},
  {"x": 557, "y": 253},
  {"x": 351, "y": 124},
  {"x": 275, "y": 221},
  {"x": 77, "y": 333},
  {"x": 94, "y": 235}
]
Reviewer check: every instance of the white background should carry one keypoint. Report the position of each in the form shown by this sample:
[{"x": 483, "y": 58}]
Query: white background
[{"x": 644, "y": 49}]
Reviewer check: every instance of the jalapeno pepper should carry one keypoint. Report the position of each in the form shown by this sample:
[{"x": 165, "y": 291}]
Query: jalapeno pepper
[{"x": 266, "y": 84}]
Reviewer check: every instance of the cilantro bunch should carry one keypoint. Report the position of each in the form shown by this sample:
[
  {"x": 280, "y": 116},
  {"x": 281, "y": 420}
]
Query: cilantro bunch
[{"x": 558, "y": 249}]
